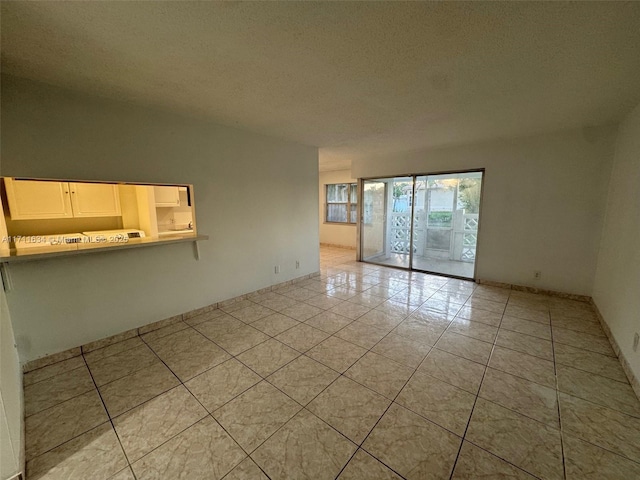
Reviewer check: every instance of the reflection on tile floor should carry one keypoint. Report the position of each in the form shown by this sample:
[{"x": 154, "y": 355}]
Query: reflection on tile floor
[{"x": 364, "y": 372}]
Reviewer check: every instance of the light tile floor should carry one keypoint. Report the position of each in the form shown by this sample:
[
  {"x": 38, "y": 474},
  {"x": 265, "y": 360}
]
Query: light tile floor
[{"x": 365, "y": 372}]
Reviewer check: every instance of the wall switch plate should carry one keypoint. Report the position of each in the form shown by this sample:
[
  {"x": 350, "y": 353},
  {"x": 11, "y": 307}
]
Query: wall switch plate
[
  {"x": 537, "y": 274},
  {"x": 277, "y": 269},
  {"x": 636, "y": 340},
  {"x": 297, "y": 264}
]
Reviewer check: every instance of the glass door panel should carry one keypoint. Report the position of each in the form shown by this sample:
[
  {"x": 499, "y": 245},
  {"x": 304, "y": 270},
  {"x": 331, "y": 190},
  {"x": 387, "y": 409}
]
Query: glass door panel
[
  {"x": 445, "y": 223},
  {"x": 374, "y": 194},
  {"x": 386, "y": 221}
]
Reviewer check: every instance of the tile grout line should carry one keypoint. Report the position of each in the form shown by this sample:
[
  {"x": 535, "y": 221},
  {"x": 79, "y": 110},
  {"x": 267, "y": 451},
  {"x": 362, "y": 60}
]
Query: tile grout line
[
  {"x": 113, "y": 427},
  {"x": 393, "y": 401},
  {"x": 209, "y": 414},
  {"x": 477, "y": 395},
  {"x": 303, "y": 407},
  {"x": 181, "y": 383},
  {"x": 71, "y": 398},
  {"x": 148, "y": 400},
  {"x": 302, "y": 353},
  {"x": 559, "y": 410},
  {"x": 52, "y": 376},
  {"x": 340, "y": 374}
]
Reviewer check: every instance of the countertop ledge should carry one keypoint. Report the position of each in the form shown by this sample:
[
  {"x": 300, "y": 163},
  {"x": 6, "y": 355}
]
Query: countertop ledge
[{"x": 42, "y": 254}]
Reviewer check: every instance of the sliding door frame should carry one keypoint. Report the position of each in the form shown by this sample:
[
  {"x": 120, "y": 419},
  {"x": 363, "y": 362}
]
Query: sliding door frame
[
  {"x": 413, "y": 176},
  {"x": 360, "y": 217}
]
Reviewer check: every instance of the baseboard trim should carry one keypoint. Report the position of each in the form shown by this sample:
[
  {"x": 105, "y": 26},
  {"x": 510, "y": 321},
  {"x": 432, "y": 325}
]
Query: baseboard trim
[
  {"x": 335, "y": 245},
  {"x": 624, "y": 363},
  {"x": 47, "y": 360},
  {"x": 541, "y": 291},
  {"x": 626, "y": 367}
]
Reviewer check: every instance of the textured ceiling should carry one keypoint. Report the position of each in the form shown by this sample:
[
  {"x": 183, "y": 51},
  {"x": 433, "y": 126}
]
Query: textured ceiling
[{"x": 353, "y": 78}]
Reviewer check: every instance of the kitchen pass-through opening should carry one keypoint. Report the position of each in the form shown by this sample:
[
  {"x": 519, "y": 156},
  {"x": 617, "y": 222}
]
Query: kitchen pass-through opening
[{"x": 427, "y": 223}]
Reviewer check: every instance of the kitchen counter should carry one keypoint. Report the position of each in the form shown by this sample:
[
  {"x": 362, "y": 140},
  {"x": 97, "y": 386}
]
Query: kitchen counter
[{"x": 83, "y": 248}]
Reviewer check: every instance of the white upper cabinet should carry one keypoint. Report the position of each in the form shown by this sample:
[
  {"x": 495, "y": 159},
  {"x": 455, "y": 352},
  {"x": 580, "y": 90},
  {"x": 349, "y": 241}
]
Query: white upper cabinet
[
  {"x": 167, "y": 196},
  {"x": 30, "y": 199},
  {"x": 34, "y": 199},
  {"x": 95, "y": 200}
]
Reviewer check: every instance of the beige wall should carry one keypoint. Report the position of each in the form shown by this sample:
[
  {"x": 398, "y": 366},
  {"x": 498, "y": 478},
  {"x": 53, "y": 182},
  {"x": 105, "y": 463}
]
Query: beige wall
[
  {"x": 617, "y": 280},
  {"x": 543, "y": 202},
  {"x": 330, "y": 233},
  {"x": 11, "y": 424},
  {"x": 256, "y": 197}
]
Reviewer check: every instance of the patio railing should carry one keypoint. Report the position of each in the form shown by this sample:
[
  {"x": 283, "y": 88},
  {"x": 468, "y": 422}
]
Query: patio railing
[{"x": 463, "y": 232}]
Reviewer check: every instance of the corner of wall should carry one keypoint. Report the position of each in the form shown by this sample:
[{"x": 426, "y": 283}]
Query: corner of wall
[
  {"x": 617, "y": 273},
  {"x": 634, "y": 379},
  {"x": 11, "y": 399}
]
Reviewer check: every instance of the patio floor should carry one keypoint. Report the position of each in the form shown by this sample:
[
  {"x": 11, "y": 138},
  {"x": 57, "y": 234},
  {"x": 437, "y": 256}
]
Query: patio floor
[{"x": 435, "y": 265}]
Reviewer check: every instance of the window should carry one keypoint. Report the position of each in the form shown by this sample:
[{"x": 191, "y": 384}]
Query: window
[{"x": 342, "y": 203}]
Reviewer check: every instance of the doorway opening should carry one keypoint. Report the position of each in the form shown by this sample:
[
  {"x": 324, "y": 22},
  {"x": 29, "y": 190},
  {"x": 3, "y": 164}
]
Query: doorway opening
[{"x": 427, "y": 223}]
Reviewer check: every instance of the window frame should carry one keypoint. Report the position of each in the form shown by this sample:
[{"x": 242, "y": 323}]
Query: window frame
[{"x": 349, "y": 204}]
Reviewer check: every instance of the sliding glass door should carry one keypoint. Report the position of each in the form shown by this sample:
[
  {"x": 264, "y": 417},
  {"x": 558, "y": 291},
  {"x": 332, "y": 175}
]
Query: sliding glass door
[{"x": 423, "y": 222}]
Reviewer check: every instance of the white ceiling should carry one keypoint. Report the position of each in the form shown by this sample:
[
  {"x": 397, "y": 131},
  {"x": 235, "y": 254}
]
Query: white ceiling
[{"x": 354, "y": 78}]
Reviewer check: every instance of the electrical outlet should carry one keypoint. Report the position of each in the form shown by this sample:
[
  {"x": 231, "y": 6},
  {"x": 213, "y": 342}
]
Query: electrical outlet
[
  {"x": 537, "y": 274},
  {"x": 277, "y": 269},
  {"x": 636, "y": 340},
  {"x": 297, "y": 264}
]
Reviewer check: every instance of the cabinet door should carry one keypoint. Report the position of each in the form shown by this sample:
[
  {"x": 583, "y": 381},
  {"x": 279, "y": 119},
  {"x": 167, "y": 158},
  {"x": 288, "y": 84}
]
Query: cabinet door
[
  {"x": 33, "y": 199},
  {"x": 95, "y": 200},
  {"x": 167, "y": 196}
]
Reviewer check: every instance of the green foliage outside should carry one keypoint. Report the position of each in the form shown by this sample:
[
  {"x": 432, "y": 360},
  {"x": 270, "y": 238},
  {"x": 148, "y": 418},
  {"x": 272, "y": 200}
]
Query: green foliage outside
[
  {"x": 399, "y": 189},
  {"x": 440, "y": 219},
  {"x": 469, "y": 194}
]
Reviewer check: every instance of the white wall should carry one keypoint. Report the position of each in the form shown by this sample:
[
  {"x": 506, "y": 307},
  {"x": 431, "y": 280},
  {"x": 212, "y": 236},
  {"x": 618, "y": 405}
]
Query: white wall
[
  {"x": 256, "y": 197},
  {"x": 617, "y": 280},
  {"x": 330, "y": 233},
  {"x": 11, "y": 415},
  {"x": 543, "y": 202}
]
